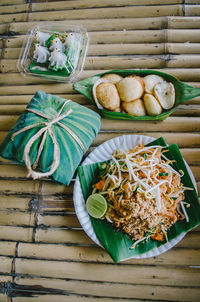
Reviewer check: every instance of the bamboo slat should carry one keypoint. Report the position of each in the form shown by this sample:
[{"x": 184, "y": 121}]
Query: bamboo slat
[
  {"x": 15, "y": 233},
  {"x": 49, "y": 188},
  {"x": 94, "y": 288},
  {"x": 183, "y": 61},
  {"x": 182, "y": 48},
  {"x": 171, "y": 123},
  {"x": 96, "y": 24},
  {"x": 135, "y": 275},
  {"x": 104, "y": 13},
  {"x": 183, "y": 22},
  {"x": 20, "y": 17},
  {"x": 19, "y": 187},
  {"x": 22, "y": 100},
  {"x": 67, "y": 220},
  {"x": 96, "y": 254},
  {"x": 183, "y": 35},
  {"x": 19, "y": 8},
  {"x": 56, "y": 205},
  {"x": 14, "y": 218},
  {"x": 31, "y": 89},
  {"x": 60, "y": 5},
  {"x": 6, "y": 264},
  {"x": 13, "y": 171},
  {"x": 16, "y": 202},
  {"x": 55, "y": 235},
  {"x": 192, "y": 10},
  {"x": 192, "y": 1},
  {"x": 121, "y": 24},
  {"x": 3, "y": 28},
  {"x": 7, "y": 248},
  {"x": 3, "y": 297},
  {"x": 61, "y": 298},
  {"x": 11, "y": 2}
]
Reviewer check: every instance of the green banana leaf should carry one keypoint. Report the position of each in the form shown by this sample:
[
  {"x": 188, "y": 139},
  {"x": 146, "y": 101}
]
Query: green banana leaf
[
  {"x": 183, "y": 92},
  {"x": 117, "y": 243},
  {"x": 83, "y": 122}
]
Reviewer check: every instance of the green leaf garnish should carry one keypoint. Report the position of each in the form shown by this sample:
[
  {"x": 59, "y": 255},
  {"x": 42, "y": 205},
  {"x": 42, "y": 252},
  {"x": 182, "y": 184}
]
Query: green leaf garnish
[
  {"x": 134, "y": 191},
  {"x": 163, "y": 174},
  {"x": 145, "y": 156}
]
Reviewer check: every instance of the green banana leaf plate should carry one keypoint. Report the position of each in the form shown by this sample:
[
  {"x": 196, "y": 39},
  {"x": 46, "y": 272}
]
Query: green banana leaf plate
[
  {"x": 115, "y": 242},
  {"x": 183, "y": 92}
]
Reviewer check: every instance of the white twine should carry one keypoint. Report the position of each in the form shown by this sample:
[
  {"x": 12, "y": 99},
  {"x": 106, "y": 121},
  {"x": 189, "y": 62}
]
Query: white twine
[{"x": 43, "y": 132}]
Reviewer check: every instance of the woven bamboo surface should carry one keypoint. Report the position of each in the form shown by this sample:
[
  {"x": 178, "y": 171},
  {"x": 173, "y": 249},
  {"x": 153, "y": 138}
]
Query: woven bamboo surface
[{"x": 44, "y": 253}]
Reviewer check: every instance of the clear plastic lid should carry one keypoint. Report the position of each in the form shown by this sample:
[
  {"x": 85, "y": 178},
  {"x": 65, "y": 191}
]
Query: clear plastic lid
[{"x": 54, "y": 51}]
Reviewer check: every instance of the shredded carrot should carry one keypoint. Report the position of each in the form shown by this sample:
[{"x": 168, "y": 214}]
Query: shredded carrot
[
  {"x": 99, "y": 185},
  {"x": 158, "y": 237}
]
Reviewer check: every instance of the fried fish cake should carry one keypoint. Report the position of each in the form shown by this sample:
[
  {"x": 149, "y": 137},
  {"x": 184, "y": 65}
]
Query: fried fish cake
[
  {"x": 130, "y": 88},
  {"x": 165, "y": 94},
  {"x": 134, "y": 108},
  {"x": 152, "y": 105},
  {"x": 107, "y": 95},
  {"x": 150, "y": 81},
  {"x": 112, "y": 77}
]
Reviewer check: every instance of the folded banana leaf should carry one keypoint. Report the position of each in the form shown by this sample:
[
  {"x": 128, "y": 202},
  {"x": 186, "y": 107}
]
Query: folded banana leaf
[
  {"x": 183, "y": 92},
  {"x": 72, "y": 126},
  {"x": 117, "y": 243}
]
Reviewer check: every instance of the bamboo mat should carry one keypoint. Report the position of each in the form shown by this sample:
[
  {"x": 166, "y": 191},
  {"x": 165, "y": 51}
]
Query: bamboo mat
[{"x": 44, "y": 253}]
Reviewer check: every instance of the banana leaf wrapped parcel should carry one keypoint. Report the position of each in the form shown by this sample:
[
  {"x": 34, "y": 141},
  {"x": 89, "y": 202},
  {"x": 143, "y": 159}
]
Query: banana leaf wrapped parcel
[{"x": 52, "y": 135}]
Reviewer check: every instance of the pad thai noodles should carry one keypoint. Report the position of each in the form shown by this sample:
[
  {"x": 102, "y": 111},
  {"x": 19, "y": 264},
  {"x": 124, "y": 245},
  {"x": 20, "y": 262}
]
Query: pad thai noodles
[{"x": 144, "y": 193}]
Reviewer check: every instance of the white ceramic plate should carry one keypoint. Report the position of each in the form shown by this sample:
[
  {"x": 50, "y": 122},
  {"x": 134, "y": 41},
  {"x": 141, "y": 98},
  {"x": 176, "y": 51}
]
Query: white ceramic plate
[{"x": 102, "y": 153}]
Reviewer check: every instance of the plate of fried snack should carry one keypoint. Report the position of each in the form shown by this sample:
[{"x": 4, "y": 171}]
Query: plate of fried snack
[{"x": 136, "y": 94}]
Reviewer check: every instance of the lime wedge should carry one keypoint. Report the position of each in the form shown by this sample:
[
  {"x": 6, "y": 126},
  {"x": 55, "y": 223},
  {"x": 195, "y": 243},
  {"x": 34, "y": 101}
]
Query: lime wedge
[{"x": 96, "y": 205}]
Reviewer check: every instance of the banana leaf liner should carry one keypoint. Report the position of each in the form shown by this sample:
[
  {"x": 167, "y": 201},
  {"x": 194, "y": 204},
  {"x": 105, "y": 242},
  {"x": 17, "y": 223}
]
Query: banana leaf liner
[
  {"x": 117, "y": 243},
  {"x": 183, "y": 92},
  {"x": 58, "y": 132}
]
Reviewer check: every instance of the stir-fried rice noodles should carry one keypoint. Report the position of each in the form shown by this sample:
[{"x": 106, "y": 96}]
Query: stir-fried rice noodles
[{"x": 144, "y": 193}]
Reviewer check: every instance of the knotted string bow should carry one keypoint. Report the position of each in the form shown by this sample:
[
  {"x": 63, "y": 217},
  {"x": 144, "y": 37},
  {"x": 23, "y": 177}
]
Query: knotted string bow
[{"x": 43, "y": 131}]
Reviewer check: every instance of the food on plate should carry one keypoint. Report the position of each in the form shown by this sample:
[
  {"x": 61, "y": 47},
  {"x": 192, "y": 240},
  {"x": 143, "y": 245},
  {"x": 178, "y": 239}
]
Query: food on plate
[
  {"x": 112, "y": 77},
  {"x": 135, "y": 95},
  {"x": 105, "y": 93},
  {"x": 144, "y": 194},
  {"x": 135, "y": 108},
  {"x": 130, "y": 88},
  {"x": 150, "y": 81},
  {"x": 152, "y": 105},
  {"x": 165, "y": 93}
]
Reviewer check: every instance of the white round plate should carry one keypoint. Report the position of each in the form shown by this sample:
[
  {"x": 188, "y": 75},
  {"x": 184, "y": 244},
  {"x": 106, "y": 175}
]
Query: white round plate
[{"x": 101, "y": 153}]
